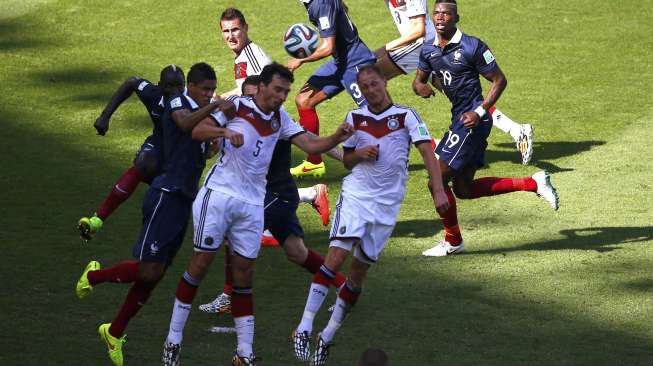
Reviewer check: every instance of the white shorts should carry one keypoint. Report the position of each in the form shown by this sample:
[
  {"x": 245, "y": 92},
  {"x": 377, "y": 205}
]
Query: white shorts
[
  {"x": 360, "y": 222},
  {"x": 217, "y": 215},
  {"x": 407, "y": 57}
]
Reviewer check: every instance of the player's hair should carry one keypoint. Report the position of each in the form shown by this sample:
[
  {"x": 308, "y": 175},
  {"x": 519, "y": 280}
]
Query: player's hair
[
  {"x": 446, "y": 2},
  {"x": 274, "y": 68},
  {"x": 171, "y": 80},
  {"x": 250, "y": 80},
  {"x": 373, "y": 357},
  {"x": 233, "y": 13},
  {"x": 371, "y": 68},
  {"x": 199, "y": 72}
]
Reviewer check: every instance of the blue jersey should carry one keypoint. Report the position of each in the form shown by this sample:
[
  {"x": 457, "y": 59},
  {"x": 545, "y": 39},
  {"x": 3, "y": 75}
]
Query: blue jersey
[
  {"x": 331, "y": 19},
  {"x": 183, "y": 157},
  {"x": 151, "y": 96},
  {"x": 458, "y": 67}
]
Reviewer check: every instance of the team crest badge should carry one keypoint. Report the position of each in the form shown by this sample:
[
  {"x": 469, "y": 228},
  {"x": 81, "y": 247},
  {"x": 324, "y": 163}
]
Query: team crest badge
[
  {"x": 208, "y": 240},
  {"x": 274, "y": 124},
  {"x": 154, "y": 248},
  {"x": 457, "y": 56},
  {"x": 342, "y": 230},
  {"x": 393, "y": 123}
]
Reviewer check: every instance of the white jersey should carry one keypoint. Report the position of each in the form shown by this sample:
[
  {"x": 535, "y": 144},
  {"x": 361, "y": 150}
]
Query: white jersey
[
  {"x": 403, "y": 10},
  {"x": 250, "y": 61},
  {"x": 240, "y": 171},
  {"x": 392, "y": 131}
]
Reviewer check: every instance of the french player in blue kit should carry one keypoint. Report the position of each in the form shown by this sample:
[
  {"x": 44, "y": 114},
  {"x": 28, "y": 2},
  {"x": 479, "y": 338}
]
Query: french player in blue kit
[
  {"x": 147, "y": 161},
  {"x": 339, "y": 38},
  {"x": 457, "y": 60},
  {"x": 167, "y": 203}
]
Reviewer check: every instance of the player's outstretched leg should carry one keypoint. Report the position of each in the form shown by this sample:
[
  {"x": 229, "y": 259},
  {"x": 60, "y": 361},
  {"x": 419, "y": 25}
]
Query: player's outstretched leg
[
  {"x": 121, "y": 191},
  {"x": 114, "y": 345},
  {"x": 84, "y": 287},
  {"x": 522, "y": 134},
  {"x": 545, "y": 189}
]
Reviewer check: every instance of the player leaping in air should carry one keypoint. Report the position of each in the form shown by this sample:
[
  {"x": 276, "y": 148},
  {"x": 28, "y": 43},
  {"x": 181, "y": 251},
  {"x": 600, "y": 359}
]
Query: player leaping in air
[
  {"x": 339, "y": 38},
  {"x": 401, "y": 56},
  {"x": 147, "y": 163},
  {"x": 369, "y": 203},
  {"x": 458, "y": 60}
]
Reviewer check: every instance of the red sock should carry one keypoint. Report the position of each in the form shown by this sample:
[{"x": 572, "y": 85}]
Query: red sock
[
  {"x": 350, "y": 296},
  {"x": 450, "y": 220},
  {"x": 123, "y": 272},
  {"x": 186, "y": 291},
  {"x": 492, "y": 109},
  {"x": 313, "y": 263},
  {"x": 433, "y": 144},
  {"x": 136, "y": 298},
  {"x": 124, "y": 187},
  {"x": 228, "y": 274},
  {"x": 242, "y": 302},
  {"x": 309, "y": 120},
  {"x": 492, "y": 186}
]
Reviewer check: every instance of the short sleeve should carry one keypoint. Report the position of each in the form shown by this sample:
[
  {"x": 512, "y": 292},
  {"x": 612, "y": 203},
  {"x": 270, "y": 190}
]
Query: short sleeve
[
  {"x": 178, "y": 102},
  {"x": 416, "y": 127},
  {"x": 483, "y": 59},
  {"x": 289, "y": 128},
  {"x": 352, "y": 141},
  {"x": 326, "y": 16},
  {"x": 148, "y": 93},
  {"x": 423, "y": 63}
]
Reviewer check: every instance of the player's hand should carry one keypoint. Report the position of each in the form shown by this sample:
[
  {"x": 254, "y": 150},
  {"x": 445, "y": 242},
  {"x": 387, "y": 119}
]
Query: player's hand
[
  {"x": 227, "y": 107},
  {"x": 470, "y": 119},
  {"x": 441, "y": 201},
  {"x": 235, "y": 138},
  {"x": 370, "y": 152},
  {"x": 294, "y": 64},
  {"x": 101, "y": 125},
  {"x": 344, "y": 131},
  {"x": 424, "y": 90},
  {"x": 212, "y": 148}
]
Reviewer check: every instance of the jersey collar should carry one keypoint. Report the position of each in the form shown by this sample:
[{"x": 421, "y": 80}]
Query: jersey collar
[{"x": 455, "y": 39}]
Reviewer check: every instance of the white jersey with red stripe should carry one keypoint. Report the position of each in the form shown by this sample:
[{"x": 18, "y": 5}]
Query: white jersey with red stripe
[
  {"x": 240, "y": 171},
  {"x": 403, "y": 10},
  {"x": 250, "y": 61},
  {"x": 392, "y": 131}
]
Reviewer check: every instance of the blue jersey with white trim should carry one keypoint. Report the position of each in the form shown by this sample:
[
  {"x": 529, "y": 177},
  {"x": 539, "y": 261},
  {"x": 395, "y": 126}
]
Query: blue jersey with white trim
[
  {"x": 332, "y": 20},
  {"x": 457, "y": 66},
  {"x": 151, "y": 96},
  {"x": 183, "y": 157}
]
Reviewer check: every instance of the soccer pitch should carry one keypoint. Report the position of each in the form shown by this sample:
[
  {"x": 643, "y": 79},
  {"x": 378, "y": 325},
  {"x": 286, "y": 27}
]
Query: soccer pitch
[{"x": 536, "y": 287}]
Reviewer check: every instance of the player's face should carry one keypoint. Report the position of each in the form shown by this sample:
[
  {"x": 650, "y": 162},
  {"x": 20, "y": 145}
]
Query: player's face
[
  {"x": 445, "y": 17},
  {"x": 202, "y": 92},
  {"x": 234, "y": 34},
  {"x": 374, "y": 88},
  {"x": 250, "y": 90},
  {"x": 272, "y": 96}
]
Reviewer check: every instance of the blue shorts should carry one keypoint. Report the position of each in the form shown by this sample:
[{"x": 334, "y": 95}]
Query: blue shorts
[
  {"x": 332, "y": 79},
  {"x": 149, "y": 155},
  {"x": 461, "y": 147},
  {"x": 165, "y": 219},
  {"x": 281, "y": 218}
]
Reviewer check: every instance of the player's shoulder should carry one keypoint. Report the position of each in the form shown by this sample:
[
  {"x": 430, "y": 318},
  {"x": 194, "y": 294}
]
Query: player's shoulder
[{"x": 410, "y": 111}]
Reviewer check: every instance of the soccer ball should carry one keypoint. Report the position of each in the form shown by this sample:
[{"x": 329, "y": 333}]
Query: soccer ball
[{"x": 300, "y": 40}]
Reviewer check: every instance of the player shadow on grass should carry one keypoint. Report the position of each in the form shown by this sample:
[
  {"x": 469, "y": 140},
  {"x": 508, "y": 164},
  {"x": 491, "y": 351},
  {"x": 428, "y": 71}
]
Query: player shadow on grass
[
  {"x": 15, "y": 36},
  {"x": 543, "y": 151},
  {"x": 417, "y": 228},
  {"x": 600, "y": 239}
]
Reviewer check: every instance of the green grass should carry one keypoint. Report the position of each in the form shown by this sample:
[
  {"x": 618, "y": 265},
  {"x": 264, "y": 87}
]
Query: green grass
[{"x": 535, "y": 287}]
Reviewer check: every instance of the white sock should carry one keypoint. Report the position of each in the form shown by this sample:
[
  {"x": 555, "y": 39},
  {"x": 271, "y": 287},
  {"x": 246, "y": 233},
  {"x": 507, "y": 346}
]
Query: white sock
[
  {"x": 505, "y": 124},
  {"x": 316, "y": 295},
  {"x": 245, "y": 335},
  {"x": 307, "y": 195},
  {"x": 180, "y": 312},
  {"x": 337, "y": 317}
]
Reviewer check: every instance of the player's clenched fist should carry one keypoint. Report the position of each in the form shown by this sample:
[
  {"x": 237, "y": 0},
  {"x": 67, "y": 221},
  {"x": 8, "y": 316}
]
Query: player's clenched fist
[
  {"x": 344, "y": 131},
  {"x": 441, "y": 201},
  {"x": 236, "y": 138},
  {"x": 101, "y": 125},
  {"x": 227, "y": 107}
]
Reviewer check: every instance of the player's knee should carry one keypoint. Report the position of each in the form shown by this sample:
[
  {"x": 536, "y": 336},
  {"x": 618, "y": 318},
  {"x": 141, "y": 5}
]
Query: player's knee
[
  {"x": 303, "y": 101},
  {"x": 462, "y": 192},
  {"x": 147, "y": 164}
]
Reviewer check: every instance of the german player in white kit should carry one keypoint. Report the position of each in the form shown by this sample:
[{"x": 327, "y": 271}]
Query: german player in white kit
[
  {"x": 369, "y": 203},
  {"x": 401, "y": 56},
  {"x": 230, "y": 204}
]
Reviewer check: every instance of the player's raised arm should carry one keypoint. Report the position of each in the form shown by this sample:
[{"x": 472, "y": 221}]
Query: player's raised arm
[
  {"x": 187, "y": 120},
  {"x": 313, "y": 144},
  {"x": 125, "y": 90}
]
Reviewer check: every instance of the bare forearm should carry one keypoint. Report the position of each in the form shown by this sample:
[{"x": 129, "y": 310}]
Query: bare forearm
[
  {"x": 494, "y": 94},
  {"x": 124, "y": 91},
  {"x": 350, "y": 159},
  {"x": 321, "y": 145},
  {"x": 206, "y": 130},
  {"x": 432, "y": 166},
  {"x": 416, "y": 33},
  {"x": 335, "y": 153}
]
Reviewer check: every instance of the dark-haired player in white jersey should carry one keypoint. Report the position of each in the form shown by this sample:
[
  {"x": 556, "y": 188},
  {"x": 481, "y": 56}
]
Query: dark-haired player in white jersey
[
  {"x": 458, "y": 60},
  {"x": 377, "y": 154},
  {"x": 230, "y": 204},
  {"x": 401, "y": 56}
]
